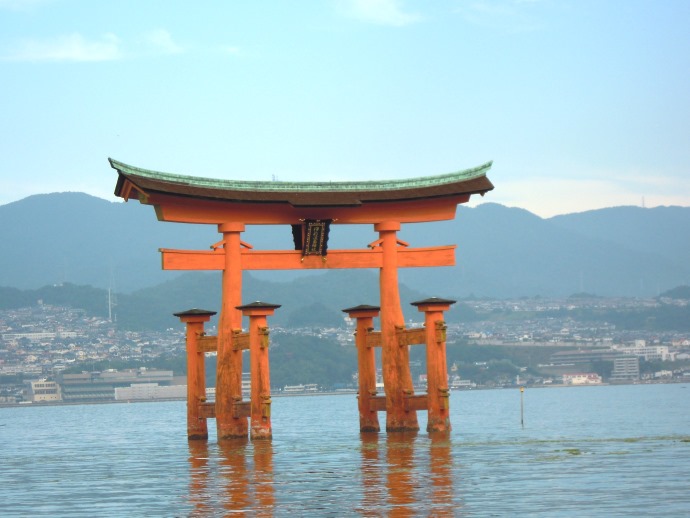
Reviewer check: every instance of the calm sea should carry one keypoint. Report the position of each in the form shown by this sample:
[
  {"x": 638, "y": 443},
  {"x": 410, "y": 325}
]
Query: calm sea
[{"x": 590, "y": 451}]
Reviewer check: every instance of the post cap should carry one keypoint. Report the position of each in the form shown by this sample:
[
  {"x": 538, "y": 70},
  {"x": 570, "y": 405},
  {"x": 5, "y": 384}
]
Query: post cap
[
  {"x": 433, "y": 301},
  {"x": 195, "y": 312},
  {"x": 258, "y": 305},
  {"x": 362, "y": 307}
]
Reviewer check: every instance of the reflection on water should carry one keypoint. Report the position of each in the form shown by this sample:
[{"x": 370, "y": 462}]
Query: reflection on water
[
  {"x": 372, "y": 473},
  {"x": 597, "y": 451},
  {"x": 398, "y": 474},
  {"x": 441, "y": 470},
  {"x": 263, "y": 476},
  {"x": 234, "y": 477},
  {"x": 244, "y": 474},
  {"x": 199, "y": 477}
]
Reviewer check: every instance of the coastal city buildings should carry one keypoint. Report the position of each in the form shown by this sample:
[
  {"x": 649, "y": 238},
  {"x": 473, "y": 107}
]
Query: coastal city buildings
[
  {"x": 104, "y": 386},
  {"x": 39, "y": 343}
]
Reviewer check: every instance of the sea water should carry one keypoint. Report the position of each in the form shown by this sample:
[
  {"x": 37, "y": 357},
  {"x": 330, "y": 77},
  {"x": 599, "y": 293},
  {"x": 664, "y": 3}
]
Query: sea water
[{"x": 583, "y": 451}]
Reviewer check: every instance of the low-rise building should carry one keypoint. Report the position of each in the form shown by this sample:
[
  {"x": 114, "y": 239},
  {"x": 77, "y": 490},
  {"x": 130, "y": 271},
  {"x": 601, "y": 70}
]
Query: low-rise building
[
  {"x": 582, "y": 378},
  {"x": 43, "y": 390},
  {"x": 648, "y": 352},
  {"x": 100, "y": 386},
  {"x": 148, "y": 391}
]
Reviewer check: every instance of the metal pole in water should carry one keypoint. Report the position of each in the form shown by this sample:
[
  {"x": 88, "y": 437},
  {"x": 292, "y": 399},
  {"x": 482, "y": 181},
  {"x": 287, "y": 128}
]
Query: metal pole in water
[{"x": 522, "y": 407}]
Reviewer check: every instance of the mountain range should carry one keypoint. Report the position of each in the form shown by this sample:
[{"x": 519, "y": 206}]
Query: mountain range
[{"x": 502, "y": 252}]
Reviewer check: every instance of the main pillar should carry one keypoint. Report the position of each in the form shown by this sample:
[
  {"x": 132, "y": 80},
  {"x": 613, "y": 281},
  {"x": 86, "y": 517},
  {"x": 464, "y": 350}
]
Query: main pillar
[
  {"x": 437, "y": 371},
  {"x": 366, "y": 364},
  {"x": 260, "y": 405},
  {"x": 196, "y": 375},
  {"x": 395, "y": 359},
  {"x": 229, "y": 368}
]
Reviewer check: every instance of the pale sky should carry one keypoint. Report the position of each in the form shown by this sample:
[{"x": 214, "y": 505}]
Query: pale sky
[{"x": 581, "y": 104}]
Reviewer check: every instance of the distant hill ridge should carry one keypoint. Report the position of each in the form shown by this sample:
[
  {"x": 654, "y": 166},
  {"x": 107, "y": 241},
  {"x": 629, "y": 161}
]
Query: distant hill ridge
[{"x": 502, "y": 252}]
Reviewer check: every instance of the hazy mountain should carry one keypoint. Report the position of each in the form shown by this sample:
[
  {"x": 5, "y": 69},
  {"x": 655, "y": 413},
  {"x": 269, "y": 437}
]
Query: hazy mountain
[
  {"x": 511, "y": 252},
  {"x": 73, "y": 237},
  {"x": 662, "y": 230}
]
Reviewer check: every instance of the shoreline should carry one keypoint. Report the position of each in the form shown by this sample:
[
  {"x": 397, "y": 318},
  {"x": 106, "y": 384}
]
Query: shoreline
[{"x": 352, "y": 392}]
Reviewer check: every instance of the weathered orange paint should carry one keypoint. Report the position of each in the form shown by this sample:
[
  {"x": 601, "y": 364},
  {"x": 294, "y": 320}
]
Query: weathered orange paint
[
  {"x": 437, "y": 371},
  {"x": 196, "y": 376},
  {"x": 260, "y": 413},
  {"x": 366, "y": 364},
  {"x": 293, "y": 259},
  {"x": 193, "y": 210},
  {"x": 397, "y": 379},
  {"x": 229, "y": 367}
]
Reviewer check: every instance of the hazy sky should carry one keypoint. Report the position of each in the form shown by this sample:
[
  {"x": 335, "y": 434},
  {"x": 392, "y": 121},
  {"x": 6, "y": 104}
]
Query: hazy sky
[{"x": 581, "y": 104}]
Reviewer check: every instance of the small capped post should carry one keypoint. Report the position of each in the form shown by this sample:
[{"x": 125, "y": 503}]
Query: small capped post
[
  {"x": 260, "y": 403},
  {"x": 196, "y": 375},
  {"x": 366, "y": 365},
  {"x": 437, "y": 372}
]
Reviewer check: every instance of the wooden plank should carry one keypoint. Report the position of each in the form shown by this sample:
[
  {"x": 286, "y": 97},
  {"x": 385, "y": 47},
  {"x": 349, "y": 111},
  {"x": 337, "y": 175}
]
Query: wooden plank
[
  {"x": 240, "y": 341},
  {"x": 241, "y": 409},
  {"x": 373, "y": 339},
  {"x": 416, "y": 336},
  {"x": 207, "y": 344},
  {"x": 192, "y": 259},
  {"x": 428, "y": 256},
  {"x": 415, "y": 402},
  {"x": 207, "y": 410},
  {"x": 377, "y": 403},
  {"x": 293, "y": 259}
]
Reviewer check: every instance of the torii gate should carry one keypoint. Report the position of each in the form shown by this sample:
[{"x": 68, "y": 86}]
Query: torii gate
[{"x": 310, "y": 208}]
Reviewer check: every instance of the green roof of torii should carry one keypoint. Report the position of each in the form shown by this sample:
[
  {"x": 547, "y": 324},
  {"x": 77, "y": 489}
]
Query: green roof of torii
[{"x": 468, "y": 181}]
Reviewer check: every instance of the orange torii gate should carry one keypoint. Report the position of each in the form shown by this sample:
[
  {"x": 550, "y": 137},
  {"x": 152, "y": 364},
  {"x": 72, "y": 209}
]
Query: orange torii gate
[{"x": 310, "y": 209}]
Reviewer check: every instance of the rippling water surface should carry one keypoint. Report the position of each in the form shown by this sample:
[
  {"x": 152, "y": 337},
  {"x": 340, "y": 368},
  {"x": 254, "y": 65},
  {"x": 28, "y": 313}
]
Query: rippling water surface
[{"x": 590, "y": 451}]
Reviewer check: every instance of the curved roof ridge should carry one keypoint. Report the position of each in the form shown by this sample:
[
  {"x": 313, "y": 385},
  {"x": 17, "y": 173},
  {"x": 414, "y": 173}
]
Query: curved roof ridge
[{"x": 281, "y": 186}]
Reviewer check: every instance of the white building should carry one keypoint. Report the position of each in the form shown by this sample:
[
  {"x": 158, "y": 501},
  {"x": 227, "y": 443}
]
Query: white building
[
  {"x": 148, "y": 391},
  {"x": 648, "y": 352},
  {"x": 582, "y": 378},
  {"x": 41, "y": 391}
]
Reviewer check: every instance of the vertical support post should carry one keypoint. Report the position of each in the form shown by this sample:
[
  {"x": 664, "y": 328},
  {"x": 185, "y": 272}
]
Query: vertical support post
[
  {"x": 366, "y": 365},
  {"x": 196, "y": 375},
  {"x": 438, "y": 393},
  {"x": 395, "y": 359},
  {"x": 260, "y": 405},
  {"x": 229, "y": 368}
]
